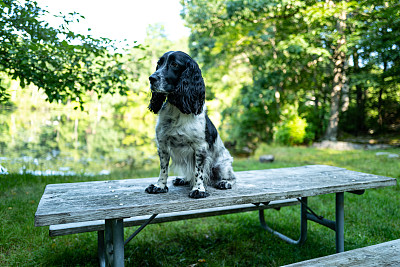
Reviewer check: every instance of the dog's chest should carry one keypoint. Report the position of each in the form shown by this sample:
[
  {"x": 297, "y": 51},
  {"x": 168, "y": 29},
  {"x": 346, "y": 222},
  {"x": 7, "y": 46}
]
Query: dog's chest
[{"x": 176, "y": 129}]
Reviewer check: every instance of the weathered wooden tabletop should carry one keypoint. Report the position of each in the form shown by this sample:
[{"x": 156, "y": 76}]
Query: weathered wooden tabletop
[{"x": 88, "y": 201}]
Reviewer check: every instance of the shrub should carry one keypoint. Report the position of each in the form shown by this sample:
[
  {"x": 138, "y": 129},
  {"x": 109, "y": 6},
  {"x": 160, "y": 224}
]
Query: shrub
[{"x": 291, "y": 131}]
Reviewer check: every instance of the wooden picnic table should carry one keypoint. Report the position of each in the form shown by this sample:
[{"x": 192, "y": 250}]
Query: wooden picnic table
[{"x": 117, "y": 199}]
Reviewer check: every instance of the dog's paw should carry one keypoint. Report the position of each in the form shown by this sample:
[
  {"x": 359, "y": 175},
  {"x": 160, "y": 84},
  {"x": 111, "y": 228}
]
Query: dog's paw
[
  {"x": 198, "y": 194},
  {"x": 179, "y": 182},
  {"x": 152, "y": 189},
  {"x": 223, "y": 185}
]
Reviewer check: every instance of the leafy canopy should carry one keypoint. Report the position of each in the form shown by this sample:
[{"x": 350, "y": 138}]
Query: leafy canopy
[
  {"x": 288, "y": 51},
  {"x": 66, "y": 65}
]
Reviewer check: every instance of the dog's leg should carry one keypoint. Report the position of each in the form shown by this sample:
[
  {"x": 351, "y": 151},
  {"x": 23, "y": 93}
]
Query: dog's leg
[
  {"x": 198, "y": 190},
  {"x": 223, "y": 175},
  {"x": 161, "y": 186},
  {"x": 180, "y": 181},
  {"x": 228, "y": 181}
]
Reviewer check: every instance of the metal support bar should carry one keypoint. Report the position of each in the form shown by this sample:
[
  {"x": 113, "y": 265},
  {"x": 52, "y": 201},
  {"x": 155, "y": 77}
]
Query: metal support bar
[
  {"x": 337, "y": 225},
  {"x": 114, "y": 242},
  {"x": 325, "y": 222},
  {"x": 339, "y": 222},
  {"x": 309, "y": 209},
  {"x": 140, "y": 228},
  {"x": 303, "y": 225},
  {"x": 357, "y": 192}
]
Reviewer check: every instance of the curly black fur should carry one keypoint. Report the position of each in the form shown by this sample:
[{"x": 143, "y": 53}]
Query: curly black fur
[
  {"x": 190, "y": 94},
  {"x": 156, "y": 101}
]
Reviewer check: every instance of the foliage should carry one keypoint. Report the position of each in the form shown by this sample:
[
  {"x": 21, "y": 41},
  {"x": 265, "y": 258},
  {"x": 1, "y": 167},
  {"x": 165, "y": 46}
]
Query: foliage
[
  {"x": 64, "y": 64},
  {"x": 292, "y": 129},
  {"x": 290, "y": 49},
  {"x": 245, "y": 115},
  {"x": 114, "y": 131}
]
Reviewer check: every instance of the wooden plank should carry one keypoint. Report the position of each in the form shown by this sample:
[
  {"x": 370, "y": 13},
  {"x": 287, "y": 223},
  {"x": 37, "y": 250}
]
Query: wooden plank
[
  {"x": 384, "y": 254},
  {"x": 89, "y": 201},
  {"x": 83, "y": 227}
]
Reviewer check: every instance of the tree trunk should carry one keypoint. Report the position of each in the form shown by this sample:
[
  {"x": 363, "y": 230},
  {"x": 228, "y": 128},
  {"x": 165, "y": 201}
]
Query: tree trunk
[
  {"x": 339, "y": 59},
  {"x": 345, "y": 89},
  {"x": 360, "y": 100},
  {"x": 380, "y": 99}
]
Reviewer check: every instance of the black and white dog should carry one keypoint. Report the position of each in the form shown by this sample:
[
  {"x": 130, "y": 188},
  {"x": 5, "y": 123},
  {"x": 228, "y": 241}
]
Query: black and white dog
[{"x": 184, "y": 132}]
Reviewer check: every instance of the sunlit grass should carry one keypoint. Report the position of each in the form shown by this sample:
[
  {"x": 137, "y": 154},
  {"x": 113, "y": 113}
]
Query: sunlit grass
[{"x": 230, "y": 240}]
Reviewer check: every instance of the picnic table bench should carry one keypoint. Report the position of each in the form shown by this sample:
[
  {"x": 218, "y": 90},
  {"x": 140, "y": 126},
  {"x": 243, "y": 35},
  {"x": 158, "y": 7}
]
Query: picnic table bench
[
  {"x": 384, "y": 254},
  {"x": 108, "y": 206}
]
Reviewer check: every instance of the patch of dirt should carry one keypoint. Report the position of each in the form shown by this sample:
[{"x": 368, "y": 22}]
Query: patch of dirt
[{"x": 341, "y": 145}]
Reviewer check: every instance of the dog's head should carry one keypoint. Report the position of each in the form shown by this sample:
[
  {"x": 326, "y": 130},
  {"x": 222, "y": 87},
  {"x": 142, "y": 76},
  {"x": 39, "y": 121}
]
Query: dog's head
[{"x": 178, "y": 79}]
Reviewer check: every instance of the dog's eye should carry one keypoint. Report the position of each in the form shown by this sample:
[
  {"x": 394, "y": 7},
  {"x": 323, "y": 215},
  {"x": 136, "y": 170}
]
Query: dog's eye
[{"x": 174, "y": 64}]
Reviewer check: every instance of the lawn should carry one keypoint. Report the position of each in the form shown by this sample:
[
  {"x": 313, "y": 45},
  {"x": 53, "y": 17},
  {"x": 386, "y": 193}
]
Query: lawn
[{"x": 229, "y": 240}]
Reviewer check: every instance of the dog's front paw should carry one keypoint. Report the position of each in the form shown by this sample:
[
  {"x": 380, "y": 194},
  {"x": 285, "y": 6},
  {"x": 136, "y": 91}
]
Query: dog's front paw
[
  {"x": 198, "y": 194},
  {"x": 223, "y": 185},
  {"x": 179, "y": 182},
  {"x": 152, "y": 189}
]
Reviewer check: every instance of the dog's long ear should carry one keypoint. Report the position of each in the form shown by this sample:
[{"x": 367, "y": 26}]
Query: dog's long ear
[
  {"x": 156, "y": 101},
  {"x": 190, "y": 95}
]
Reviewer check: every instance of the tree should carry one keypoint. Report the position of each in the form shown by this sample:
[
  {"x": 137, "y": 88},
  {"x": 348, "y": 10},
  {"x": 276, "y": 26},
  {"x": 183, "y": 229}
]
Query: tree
[
  {"x": 301, "y": 53},
  {"x": 339, "y": 61},
  {"x": 276, "y": 43},
  {"x": 380, "y": 54},
  {"x": 64, "y": 64}
]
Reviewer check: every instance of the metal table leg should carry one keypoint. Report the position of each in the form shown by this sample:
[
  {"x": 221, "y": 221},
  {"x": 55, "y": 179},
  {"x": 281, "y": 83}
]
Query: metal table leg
[
  {"x": 114, "y": 242},
  {"x": 339, "y": 222},
  {"x": 118, "y": 240},
  {"x": 303, "y": 225},
  {"x": 101, "y": 249},
  {"x": 108, "y": 242},
  {"x": 337, "y": 225}
]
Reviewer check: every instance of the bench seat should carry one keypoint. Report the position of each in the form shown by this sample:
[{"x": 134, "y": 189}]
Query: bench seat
[
  {"x": 384, "y": 254},
  {"x": 90, "y": 226}
]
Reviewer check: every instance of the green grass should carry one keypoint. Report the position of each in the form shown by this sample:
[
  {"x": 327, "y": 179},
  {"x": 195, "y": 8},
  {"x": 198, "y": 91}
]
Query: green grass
[{"x": 229, "y": 240}]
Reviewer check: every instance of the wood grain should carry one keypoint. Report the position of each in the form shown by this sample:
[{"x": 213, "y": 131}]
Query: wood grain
[
  {"x": 89, "y": 201},
  {"x": 384, "y": 254}
]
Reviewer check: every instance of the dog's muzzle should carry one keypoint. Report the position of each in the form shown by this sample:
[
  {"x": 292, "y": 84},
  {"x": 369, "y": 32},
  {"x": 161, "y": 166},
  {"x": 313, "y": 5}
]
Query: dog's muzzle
[
  {"x": 154, "y": 82},
  {"x": 159, "y": 85}
]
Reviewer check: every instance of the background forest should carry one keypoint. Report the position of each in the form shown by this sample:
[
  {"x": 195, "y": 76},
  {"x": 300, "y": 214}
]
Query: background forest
[
  {"x": 289, "y": 72},
  {"x": 300, "y": 71}
]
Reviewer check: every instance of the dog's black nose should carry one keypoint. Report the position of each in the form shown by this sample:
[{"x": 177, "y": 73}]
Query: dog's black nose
[{"x": 153, "y": 78}]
